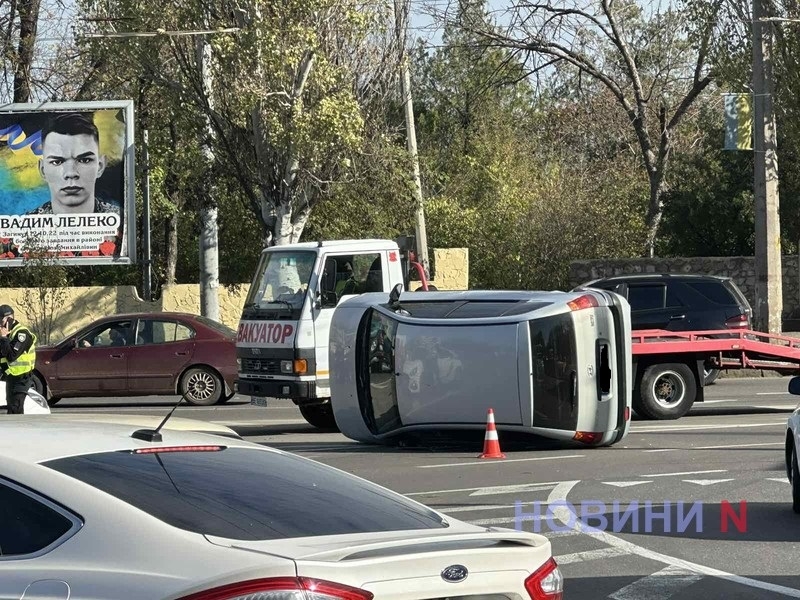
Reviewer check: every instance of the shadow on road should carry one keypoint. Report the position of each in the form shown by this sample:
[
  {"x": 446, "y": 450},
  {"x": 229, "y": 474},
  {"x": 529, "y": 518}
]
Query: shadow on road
[{"x": 450, "y": 442}]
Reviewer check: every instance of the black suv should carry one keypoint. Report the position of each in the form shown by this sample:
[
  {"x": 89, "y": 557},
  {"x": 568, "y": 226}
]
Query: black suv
[{"x": 678, "y": 302}]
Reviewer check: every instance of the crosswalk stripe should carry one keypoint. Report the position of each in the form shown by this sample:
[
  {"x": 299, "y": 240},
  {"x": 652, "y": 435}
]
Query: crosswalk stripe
[{"x": 660, "y": 585}]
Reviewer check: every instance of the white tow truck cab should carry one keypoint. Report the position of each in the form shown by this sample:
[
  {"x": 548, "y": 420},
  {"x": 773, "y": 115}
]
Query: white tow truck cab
[{"x": 282, "y": 340}]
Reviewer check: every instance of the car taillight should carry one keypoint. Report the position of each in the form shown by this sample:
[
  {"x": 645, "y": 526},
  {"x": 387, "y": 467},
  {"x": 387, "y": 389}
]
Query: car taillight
[
  {"x": 588, "y": 437},
  {"x": 585, "y": 301},
  {"x": 546, "y": 583},
  {"x": 738, "y": 322},
  {"x": 166, "y": 449},
  {"x": 284, "y": 588}
]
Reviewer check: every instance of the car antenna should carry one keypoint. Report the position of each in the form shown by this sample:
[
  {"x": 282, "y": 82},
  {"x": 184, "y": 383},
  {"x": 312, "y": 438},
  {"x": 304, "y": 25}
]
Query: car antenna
[{"x": 154, "y": 435}]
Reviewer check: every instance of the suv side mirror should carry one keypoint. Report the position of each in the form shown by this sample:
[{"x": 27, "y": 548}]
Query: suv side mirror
[{"x": 794, "y": 386}]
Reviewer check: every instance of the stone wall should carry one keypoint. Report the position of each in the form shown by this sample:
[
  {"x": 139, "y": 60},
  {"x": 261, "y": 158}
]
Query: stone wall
[
  {"x": 85, "y": 304},
  {"x": 739, "y": 268}
]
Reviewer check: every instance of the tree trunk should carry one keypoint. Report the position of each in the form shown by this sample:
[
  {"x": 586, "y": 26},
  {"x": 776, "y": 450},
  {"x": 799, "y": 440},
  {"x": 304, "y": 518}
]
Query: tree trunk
[
  {"x": 28, "y": 20},
  {"x": 171, "y": 238},
  {"x": 655, "y": 211}
]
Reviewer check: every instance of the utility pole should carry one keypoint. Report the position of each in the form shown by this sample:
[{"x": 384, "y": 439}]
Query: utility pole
[
  {"x": 209, "y": 243},
  {"x": 769, "y": 286},
  {"x": 411, "y": 137}
]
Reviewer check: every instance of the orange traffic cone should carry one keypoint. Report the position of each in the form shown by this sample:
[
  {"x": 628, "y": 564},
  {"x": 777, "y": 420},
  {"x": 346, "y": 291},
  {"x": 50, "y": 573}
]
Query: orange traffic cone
[{"x": 491, "y": 443}]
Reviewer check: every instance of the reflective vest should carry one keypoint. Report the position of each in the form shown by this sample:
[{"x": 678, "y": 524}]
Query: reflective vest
[{"x": 25, "y": 361}]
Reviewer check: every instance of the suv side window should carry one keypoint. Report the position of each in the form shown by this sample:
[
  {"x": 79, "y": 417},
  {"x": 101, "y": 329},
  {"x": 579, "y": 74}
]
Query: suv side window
[
  {"x": 648, "y": 296},
  {"x": 28, "y": 525},
  {"x": 714, "y": 291},
  {"x": 673, "y": 297}
]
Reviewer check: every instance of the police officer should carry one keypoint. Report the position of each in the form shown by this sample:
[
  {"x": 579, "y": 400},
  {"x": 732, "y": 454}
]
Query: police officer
[{"x": 17, "y": 359}]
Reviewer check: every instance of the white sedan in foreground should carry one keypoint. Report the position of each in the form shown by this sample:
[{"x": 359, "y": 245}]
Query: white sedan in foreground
[
  {"x": 91, "y": 511},
  {"x": 793, "y": 446}
]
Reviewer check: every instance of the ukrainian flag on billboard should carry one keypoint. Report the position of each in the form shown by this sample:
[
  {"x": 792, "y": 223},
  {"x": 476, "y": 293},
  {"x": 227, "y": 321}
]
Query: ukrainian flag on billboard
[{"x": 738, "y": 122}]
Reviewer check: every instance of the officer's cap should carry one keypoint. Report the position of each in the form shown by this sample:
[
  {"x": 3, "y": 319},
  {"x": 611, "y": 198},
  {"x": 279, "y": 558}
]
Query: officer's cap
[{"x": 6, "y": 311}]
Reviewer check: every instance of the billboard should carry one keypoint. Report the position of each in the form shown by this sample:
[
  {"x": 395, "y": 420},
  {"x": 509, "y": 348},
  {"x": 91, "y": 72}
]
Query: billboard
[{"x": 67, "y": 182}]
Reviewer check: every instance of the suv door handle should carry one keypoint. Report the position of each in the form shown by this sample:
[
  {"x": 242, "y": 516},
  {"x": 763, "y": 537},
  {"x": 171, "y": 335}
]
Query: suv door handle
[
  {"x": 677, "y": 317},
  {"x": 181, "y": 353},
  {"x": 117, "y": 355}
]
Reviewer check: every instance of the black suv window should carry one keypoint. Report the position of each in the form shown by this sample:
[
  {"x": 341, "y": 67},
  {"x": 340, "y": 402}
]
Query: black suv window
[
  {"x": 246, "y": 494},
  {"x": 715, "y": 291},
  {"x": 28, "y": 526},
  {"x": 646, "y": 296}
]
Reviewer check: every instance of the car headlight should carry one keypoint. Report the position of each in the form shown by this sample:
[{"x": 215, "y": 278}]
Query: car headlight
[{"x": 287, "y": 366}]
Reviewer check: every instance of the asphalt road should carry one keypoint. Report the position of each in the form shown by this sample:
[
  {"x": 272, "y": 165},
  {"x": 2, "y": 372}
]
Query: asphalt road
[{"x": 694, "y": 508}]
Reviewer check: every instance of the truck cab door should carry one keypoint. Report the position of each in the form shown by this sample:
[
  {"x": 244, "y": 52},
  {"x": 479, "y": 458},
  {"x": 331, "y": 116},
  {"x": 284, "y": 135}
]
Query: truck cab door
[{"x": 343, "y": 275}]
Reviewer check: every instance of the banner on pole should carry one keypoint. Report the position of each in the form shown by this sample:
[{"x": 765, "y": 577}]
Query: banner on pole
[{"x": 738, "y": 122}]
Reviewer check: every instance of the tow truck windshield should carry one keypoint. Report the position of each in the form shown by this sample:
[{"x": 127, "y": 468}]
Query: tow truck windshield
[{"x": 281, "y": 282}]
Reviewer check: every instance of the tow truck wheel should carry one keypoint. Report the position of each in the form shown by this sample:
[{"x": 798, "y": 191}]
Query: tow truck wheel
[
  {"x": 319, "y": 415},
  {"x": 667, "y": 391}
]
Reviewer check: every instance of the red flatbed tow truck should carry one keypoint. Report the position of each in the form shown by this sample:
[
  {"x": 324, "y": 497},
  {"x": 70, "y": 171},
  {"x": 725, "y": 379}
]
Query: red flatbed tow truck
[{"x": 668, "y": 366}]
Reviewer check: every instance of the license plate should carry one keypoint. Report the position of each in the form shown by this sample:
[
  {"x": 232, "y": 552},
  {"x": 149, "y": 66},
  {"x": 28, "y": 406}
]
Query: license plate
[{"x": 258, "y": 401}]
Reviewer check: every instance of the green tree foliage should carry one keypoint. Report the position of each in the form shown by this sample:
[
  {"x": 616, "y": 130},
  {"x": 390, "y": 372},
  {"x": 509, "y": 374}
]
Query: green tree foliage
[{"x": 505, "y": 180}]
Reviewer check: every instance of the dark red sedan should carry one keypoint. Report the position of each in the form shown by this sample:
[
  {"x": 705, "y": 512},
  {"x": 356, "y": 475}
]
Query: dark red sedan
[{"x": 142, "y": 354}]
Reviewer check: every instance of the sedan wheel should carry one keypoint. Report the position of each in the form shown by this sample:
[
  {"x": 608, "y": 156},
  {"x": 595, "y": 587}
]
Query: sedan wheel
[
  {"x": 795, "y": 482},
  {"x": 201, "y": 386}
]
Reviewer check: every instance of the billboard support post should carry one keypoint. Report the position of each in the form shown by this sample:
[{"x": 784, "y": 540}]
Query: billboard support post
[{"x": 147, "y": 265}]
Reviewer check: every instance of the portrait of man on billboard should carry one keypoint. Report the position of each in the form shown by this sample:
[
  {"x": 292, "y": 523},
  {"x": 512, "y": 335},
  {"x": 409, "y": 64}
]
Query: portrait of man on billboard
[{"x": 71, "y": 164}]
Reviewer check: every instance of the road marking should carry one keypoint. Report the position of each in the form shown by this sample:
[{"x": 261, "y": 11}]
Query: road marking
[
  {"x": 706, "y": 481},
  {"x": 505, "y": 520},
  {"x": 566, "y": 559},
  {"x": 773, "y": 394},
  {"x": 625, "y": 483},
  {"x": 736, "y": 446},
  {"x": 662, "y": 450},
  {"x": 552, "y": 484},
  {"x": 685, "y": 473},
  {"x": 558, "y": 499},
  {"x": 501, "y": 461},
  {"x": 779, "y": 479},
  {"x": 652, "y": 429},
  {"x": 513, "y": 489},
  {"x": 661, "y": 585},
  {"x": 478, "y": 507}
]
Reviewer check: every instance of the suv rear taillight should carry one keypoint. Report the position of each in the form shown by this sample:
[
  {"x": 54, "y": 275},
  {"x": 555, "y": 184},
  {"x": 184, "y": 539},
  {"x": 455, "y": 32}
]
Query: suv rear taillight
[
  {"x": 738, "y": 322},
  {"x": 546, "y": 583},
  {"x": 284, "y": 588}
]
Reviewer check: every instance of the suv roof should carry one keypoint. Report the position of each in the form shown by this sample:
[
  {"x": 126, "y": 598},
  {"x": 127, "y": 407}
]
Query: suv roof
[{"x": 644, "y": 276}]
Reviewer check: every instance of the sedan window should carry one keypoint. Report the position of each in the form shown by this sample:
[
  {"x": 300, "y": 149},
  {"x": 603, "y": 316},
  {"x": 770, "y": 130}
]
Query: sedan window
[
  {"x": 247, "y": 494},
  {"x": 28, "y": 526},
  {"x": 116, "y": 333},
  {"x": 162, "y": 332}
]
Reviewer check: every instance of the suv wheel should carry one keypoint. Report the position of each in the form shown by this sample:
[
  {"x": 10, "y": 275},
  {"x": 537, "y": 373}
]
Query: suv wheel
[{"x": 710, "y": 375}]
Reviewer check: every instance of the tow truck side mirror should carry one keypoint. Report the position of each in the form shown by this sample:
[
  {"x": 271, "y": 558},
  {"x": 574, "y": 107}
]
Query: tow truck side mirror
[{"x": 794, "y": 386}]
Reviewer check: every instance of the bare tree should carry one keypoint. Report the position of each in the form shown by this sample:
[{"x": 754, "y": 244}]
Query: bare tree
[{"x": 654, "y": 61}]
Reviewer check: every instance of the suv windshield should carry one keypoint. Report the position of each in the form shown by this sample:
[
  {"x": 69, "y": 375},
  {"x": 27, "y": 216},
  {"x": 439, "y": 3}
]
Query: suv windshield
[
  {"x": 247, "y": 494},
  {"x": 281, "y": 280}
]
